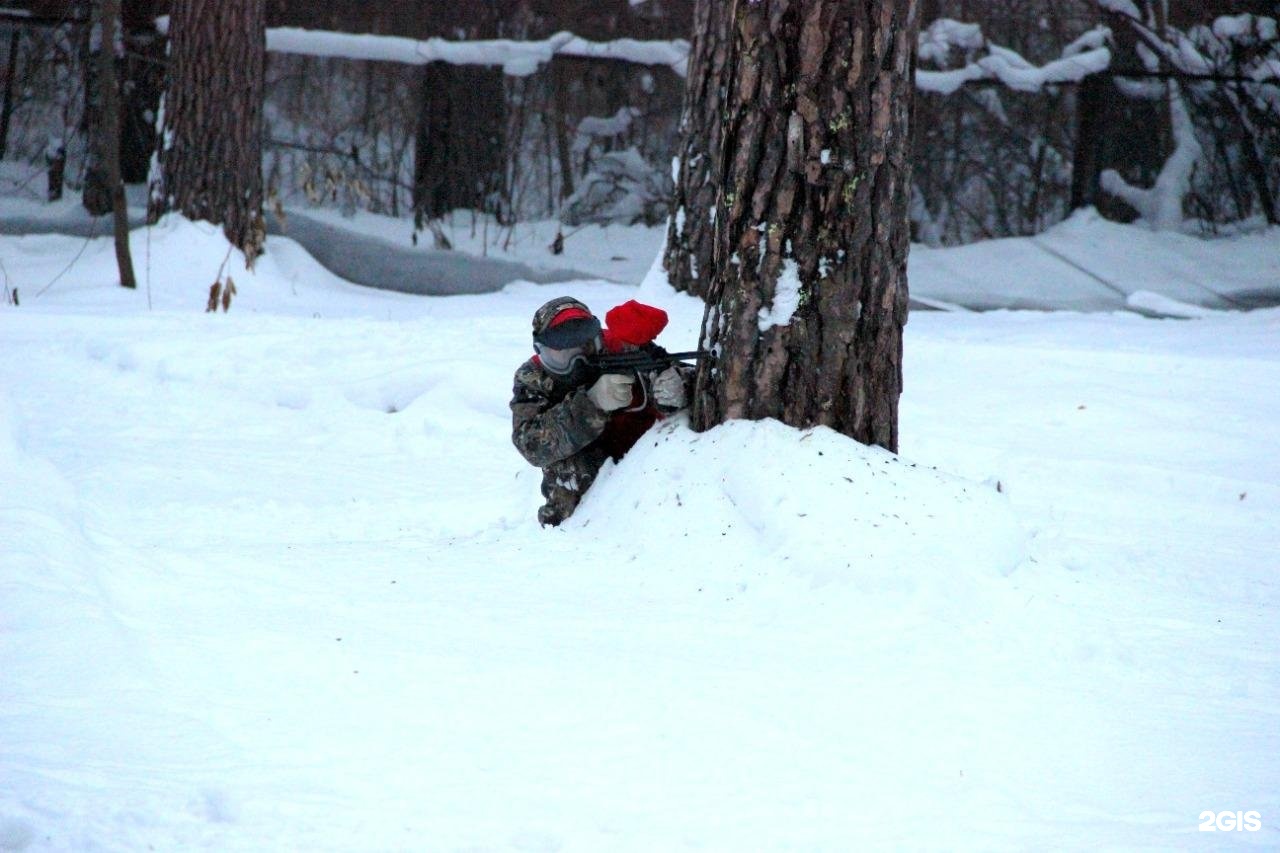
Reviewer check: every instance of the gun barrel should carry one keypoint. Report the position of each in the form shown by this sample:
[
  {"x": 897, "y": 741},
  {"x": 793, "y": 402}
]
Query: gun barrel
[{"x": 641, "y": 357}]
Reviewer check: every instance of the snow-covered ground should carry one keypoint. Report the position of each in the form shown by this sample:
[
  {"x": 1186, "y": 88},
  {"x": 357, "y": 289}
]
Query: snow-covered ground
[
  {"x": 270, "y": 580},
  {"x": 1083, "y": 264}
]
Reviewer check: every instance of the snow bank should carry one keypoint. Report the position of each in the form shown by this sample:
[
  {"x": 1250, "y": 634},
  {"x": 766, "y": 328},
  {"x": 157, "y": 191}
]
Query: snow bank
[
  {"x": 1154, "y": 302},
  {"x": 38, "y": 523},
  {"x": 1089, "y": 264},
  {"x": 176, "y": 261},
  {"x": 743, "y": 494}
]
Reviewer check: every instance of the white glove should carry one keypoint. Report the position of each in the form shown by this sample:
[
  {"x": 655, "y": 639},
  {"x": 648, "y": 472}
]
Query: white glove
[
  {"x": 612, "y": 391},
  {"x": 668, "y": 389}
]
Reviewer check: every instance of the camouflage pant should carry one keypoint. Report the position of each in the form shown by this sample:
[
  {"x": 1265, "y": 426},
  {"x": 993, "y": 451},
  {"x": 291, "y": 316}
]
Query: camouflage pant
[{"x": 566, "y": 481}]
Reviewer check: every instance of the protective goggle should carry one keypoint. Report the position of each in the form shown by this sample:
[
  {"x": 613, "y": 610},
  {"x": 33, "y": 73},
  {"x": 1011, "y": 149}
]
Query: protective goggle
[{"x": 564, "y": 360}]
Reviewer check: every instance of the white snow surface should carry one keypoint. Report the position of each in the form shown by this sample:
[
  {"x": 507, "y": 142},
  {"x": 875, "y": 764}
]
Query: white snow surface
[
  {"x": 270, "y": 580},
  {"x": 1088, "y": 264},
  {"x": 1145, "y": 299}
]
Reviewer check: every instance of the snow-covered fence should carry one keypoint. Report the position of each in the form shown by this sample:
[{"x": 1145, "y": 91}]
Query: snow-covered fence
[{"x": 517, "y": 58}]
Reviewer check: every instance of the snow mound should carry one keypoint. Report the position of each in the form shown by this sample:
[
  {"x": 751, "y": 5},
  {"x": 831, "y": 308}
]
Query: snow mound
[{"x": 832, "y": 511}]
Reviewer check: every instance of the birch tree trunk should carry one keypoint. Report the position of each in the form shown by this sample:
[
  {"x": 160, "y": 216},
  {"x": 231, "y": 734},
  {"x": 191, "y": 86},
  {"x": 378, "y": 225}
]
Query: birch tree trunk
[
  {"x": 806, "y": 282},
  {"x": 211, "y": 154}
]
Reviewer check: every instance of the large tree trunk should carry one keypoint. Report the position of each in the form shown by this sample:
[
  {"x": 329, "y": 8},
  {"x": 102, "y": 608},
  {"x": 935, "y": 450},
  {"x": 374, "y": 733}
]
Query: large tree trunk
[
  {"x": 807, "y": 283},
  {"x": 211, "y": 163},
  {"x": 688, "y": 252},
  {"x": 460, "y": 155}
]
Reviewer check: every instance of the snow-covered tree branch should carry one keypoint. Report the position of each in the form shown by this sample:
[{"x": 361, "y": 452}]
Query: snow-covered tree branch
[
  {"x": 1230, "y": 67},
  {"x": 986, "y": 60}
]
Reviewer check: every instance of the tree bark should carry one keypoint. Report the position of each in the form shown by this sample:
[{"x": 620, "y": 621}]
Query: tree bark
[
  {"x": 95, "y": 195},
  {"x": 109, "y": 96},
  {"x": 140, "y": 87},
  {"x": 688, "y": 253},
  {"x": 211, "y": 162},
  {"x": 807, "y": 284}
]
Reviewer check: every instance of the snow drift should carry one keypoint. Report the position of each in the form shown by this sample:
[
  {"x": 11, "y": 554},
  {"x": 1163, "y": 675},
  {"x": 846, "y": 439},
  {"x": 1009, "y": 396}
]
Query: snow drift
[{"x": 743, "y": 493}]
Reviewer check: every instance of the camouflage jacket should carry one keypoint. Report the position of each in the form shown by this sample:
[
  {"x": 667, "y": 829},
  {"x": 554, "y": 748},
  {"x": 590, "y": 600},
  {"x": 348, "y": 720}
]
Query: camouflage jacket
[{"x": 555, "y": 426}]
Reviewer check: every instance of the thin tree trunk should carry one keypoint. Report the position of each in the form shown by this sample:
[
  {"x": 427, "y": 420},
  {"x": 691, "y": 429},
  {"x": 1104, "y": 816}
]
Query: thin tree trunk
[
  {"x": 561, "y": 121},
  {"x": 807, "y": 285},
  {"x": 111, "y": 140},
  {"x": 95, "y": 195},
  {"x": 1131, "y": 134},
  {"x": 56, "y": 159},
  {"x": 6, "y": 110},
  {"x": 211, "y": 164},
  {"x": 1090, "y": 97}
]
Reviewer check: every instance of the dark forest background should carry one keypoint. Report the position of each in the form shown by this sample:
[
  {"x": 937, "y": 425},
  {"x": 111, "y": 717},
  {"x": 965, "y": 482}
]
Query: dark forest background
[{"x": 593, "y": 139}]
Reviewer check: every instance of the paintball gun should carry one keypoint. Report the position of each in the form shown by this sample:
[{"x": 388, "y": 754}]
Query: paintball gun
[{"x": 642, "y": 361}]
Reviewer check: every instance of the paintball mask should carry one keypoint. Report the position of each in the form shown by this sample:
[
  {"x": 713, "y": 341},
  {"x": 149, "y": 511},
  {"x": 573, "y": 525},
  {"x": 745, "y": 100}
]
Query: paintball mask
[{"x": 564, "y": 333}]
